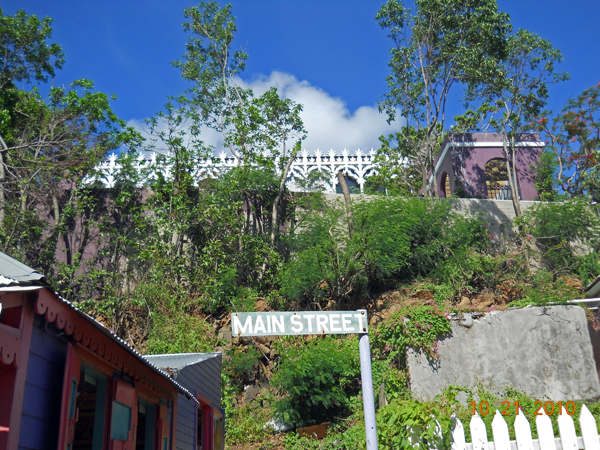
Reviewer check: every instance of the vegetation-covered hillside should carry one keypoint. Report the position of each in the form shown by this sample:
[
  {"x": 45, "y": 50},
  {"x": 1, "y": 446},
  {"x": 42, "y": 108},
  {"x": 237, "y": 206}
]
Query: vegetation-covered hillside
[{"x": 163, "y": 259}]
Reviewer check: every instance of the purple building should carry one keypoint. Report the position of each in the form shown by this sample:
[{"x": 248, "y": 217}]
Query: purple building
[{"x": 473, "y": 165}]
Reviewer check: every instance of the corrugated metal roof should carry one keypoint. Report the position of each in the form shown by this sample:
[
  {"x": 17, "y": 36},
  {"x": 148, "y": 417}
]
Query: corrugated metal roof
[
  {"x": 129, "y": 348},
  {"x": 13, "y": 266},
  {"x": 179, "y": 360},
  {"x": 15, "y": 272}
]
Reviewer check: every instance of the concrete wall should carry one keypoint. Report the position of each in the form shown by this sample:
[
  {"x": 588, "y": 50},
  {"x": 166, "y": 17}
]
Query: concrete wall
[
  {"x": 544, "y": 352},
  {"x": 498, "y": 215}
]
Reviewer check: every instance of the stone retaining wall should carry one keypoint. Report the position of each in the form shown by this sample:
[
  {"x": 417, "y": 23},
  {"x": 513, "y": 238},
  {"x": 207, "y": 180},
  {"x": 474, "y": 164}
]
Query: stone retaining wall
[{"x": 544, "y": 352}]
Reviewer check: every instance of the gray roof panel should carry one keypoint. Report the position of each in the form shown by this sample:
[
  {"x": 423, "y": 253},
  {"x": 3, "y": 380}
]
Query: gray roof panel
[
  {"x": 13, "y": 272},
  {"x": 179, "y": 360}
]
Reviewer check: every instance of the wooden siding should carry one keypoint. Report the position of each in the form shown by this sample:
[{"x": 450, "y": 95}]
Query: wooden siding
[
  {"x": 205, "y": 378},
  {"x": 41, "y": 403},
  {"x": 186, "y": 423}
]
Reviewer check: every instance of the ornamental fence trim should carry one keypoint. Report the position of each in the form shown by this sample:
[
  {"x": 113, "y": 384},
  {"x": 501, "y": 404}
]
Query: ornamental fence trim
[{"x": 357, "y": 167}]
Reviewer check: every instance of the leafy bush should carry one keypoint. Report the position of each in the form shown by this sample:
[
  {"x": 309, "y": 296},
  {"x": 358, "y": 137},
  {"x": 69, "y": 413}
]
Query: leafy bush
[
  {"x": 544, "y": 176},
  {"x": 418, "y": 327},
  {"x": 336, "y": 439},
  {"x": 240, "y": 362},
  {"x": 563, "y": 232},
  {"x": 543, "y": 288},
  {"x": 403, "y": 423},
  {"x": 181, "y": 333},
  {"x": 393, "y": 239},
  {"x": 316, "y": 380}
]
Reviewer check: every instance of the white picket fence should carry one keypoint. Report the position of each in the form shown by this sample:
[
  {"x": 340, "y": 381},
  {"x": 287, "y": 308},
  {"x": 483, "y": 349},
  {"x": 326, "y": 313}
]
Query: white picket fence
[{"x": 568, "y": 439}]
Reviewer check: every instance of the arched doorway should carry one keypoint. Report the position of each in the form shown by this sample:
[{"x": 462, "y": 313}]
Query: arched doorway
[
  {"x": 444, "y": 187},
  {"x": 496, "y": 179}
]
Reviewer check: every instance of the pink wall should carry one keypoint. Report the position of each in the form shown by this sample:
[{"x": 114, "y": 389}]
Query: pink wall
[{"x": 467, "y": 164}]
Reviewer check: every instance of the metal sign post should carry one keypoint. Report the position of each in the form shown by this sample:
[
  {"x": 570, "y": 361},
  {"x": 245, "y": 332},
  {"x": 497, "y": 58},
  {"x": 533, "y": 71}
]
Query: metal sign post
[
  {"x": 367, "y": 388},
  {"x": 318, "y": 322}
]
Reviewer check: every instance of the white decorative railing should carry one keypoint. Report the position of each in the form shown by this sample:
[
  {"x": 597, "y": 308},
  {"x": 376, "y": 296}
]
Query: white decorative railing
[
  {"x": 568, "y": 439},
  {"x": 357, "y": 167}
]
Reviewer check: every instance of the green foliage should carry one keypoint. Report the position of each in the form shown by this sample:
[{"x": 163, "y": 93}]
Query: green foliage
[
  {"x": 337, "y": 437},
  {"x": 181, "y": 334},
  {"x": 543, "y": 288},
  {"x": 316, "y": 380},
  {"x": 442, "y": 44},
  {"x": 573, "y": 139},
  {"x": 544, "y": 176},
  {"x": 401, "y": 159},
  {"x": 394, "y": 238},
  {"x": 240, "y": 362},
  {"x": 588, "y": 267},
  {"x": 245, "y": 424},
  {"x": 25, "y": 53},
  {"x": 48, "y": 148},
  {"x": 563, "y": 232},
  {"x": 416, "y": 327},
  {"x": 403, "y": 423},
  {"x": 326, "y": 255}
]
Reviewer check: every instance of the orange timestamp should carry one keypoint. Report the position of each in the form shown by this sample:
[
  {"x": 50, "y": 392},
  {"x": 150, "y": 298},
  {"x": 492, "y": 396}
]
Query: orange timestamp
[{"x": 548, "y": 407}]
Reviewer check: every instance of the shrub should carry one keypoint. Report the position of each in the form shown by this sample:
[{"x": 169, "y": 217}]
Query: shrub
[
  {"x": 403, "y": 421},
  {"x": 240, "y": 362},
  {"x": 563, "y": 231},
  {"x": 316, "y": 380},
  {"x": 393, "y": 239},
  {"x": 181, "y": 333},
  {"x": 418, "y": 327}
]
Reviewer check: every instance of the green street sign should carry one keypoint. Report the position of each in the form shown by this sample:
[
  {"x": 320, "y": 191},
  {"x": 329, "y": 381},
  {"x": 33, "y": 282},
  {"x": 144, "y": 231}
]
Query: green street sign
[{"x": 298, "y": 323}]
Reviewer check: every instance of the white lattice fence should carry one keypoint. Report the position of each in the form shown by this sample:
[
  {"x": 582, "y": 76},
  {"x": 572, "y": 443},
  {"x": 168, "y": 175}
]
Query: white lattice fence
[
  {"x": 567, "y": 439},
  {"x": 357, "y": 166}
]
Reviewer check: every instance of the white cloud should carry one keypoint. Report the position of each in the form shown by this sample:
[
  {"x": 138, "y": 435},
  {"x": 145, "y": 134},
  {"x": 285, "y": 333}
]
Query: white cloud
[{"x": 329, "y": 123}]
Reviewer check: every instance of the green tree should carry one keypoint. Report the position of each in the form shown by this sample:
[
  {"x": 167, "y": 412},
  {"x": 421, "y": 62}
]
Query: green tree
[
  {"x": 264, "y": 131},
  {"x": 26, "y": 56},
  {"x": 573, "y": 137},
  {"x": 48, "y": 144},
  {"x": 517, "y": 92},
  {"x": 445, "y": 43}
]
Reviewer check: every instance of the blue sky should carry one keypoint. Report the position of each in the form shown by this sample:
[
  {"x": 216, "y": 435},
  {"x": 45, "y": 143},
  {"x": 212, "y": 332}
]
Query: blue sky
[{"x": 329, "y": 54}]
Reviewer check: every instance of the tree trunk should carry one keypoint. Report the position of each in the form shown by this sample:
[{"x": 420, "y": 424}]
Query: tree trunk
[
  {"x": 512, "y": 173},
  {"x": 275, "y": 218},
  {"x": 2, "y": 194},
  {"x": 436, "y": 191},
  {"x": 2, "y": 183},
  {"x": 346, "y": 192},
  {"x": 56, "y": 209},
  {"x": 23, "y": 200}
]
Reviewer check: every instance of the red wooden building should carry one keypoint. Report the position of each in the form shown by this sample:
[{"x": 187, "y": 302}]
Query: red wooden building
[{"x": 69, "y": 383}]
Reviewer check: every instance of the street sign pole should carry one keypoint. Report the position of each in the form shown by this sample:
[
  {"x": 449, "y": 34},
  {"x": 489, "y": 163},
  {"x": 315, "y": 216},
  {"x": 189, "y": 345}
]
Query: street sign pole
[
  {"x": 298, "y": 323},
  {"x": 367, "y": 388}
]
